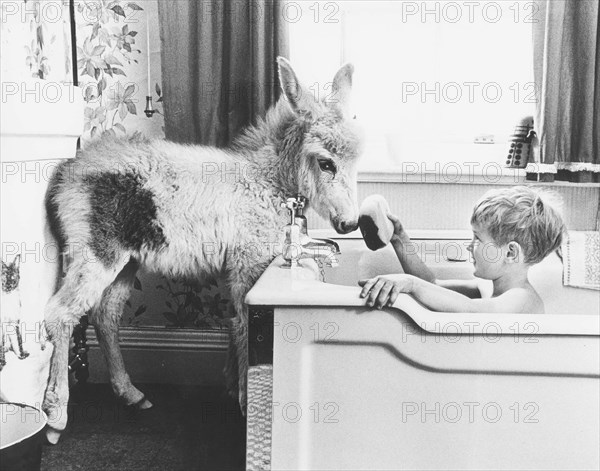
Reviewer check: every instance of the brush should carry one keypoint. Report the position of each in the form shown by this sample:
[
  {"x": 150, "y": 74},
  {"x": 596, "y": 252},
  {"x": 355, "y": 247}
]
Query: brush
[{"x": 377, "y": 230}]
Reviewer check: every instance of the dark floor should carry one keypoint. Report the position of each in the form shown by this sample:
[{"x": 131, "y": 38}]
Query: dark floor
[{"x": 189, "y": 428}]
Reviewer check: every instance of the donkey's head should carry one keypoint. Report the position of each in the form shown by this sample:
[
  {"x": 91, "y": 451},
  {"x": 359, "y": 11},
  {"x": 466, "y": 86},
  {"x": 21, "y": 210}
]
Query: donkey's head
[{"x": 326, "y": 144}]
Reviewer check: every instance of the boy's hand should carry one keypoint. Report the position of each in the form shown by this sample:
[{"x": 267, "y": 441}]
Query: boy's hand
[
  {"x": 383, "y": 290},
  {"x": 399, "y": 234}
]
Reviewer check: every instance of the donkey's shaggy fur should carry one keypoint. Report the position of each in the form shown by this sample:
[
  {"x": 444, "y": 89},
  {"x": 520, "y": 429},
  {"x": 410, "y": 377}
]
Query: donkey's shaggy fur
[{"x": 191, "y": 210}]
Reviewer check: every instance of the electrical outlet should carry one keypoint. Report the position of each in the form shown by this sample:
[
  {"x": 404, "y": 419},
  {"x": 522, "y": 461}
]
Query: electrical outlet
[{"x": 484, "y": 139}]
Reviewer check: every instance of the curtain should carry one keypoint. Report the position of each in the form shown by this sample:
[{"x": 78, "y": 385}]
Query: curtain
[
  {"x": 218, "y": 66},
  {"x": 566, "y": 40}
]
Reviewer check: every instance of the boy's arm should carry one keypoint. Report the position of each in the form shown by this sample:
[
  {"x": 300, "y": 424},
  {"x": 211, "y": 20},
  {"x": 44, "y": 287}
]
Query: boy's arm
[
  {"x": 409, "y": 259},
  {"x": 469, "y": 288},
  {"x": 413, "y": 265},
  {"x": 384, "y": 290},
  {"x": 441, "y": 299}
]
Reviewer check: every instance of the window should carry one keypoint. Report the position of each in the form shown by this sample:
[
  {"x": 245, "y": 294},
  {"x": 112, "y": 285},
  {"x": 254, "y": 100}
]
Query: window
[{"x": 435, "y": 81}]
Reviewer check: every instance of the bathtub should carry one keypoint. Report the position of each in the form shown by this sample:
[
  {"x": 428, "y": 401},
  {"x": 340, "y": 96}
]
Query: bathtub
[{"x": 350, "y": 387}]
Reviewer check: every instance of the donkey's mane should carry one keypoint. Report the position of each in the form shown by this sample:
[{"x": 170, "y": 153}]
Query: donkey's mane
[{"x": 269, "y": 131}]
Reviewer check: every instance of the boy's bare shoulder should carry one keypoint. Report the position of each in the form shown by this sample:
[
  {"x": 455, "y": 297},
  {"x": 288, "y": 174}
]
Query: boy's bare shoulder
[{"x": 522, "y": 300}]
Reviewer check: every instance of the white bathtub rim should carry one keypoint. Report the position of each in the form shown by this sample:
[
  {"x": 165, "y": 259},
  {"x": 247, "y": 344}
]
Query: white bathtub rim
[{"x": 279, "y": 287}]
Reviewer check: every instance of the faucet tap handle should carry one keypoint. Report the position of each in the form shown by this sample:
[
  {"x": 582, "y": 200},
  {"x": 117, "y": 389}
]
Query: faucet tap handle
[
  {"x": 292, "y": 206},
  {"x": 301, "y": 201}
]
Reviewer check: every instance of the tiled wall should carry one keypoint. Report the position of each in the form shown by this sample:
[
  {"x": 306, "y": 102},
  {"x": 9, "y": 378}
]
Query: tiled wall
[{"x": 447, "y": 206}]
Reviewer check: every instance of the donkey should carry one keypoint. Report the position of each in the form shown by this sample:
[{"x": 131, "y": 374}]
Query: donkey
[{"x": 188, "y": 211}]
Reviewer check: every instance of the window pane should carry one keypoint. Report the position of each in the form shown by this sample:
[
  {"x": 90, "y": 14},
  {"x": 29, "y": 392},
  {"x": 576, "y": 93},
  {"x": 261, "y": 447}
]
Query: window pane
[{"x": 430, "y": 76}]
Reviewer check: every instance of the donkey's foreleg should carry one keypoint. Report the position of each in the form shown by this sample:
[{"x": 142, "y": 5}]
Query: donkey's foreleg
[
  {"x": 240, "y": 339},
  {"x": 56, "y": 399},
  {"x": 105, "y": 317},
  {"x": 239, "y": 326},
  {"x": 231, "y": 367},
  {"x": 81, "y": 290}
]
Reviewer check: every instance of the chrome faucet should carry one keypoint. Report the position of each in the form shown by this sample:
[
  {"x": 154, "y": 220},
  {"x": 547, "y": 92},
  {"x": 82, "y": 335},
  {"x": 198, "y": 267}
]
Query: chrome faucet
[{"x": 298, "y": 244}]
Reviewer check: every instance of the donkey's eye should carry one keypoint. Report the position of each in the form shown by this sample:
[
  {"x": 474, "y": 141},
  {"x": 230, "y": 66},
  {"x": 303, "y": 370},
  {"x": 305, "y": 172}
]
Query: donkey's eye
[{"x": 327, "y": 165}]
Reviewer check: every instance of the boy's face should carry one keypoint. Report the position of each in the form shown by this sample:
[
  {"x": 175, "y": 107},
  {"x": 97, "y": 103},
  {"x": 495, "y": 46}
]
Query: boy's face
[{"x": 487, "y": 255}]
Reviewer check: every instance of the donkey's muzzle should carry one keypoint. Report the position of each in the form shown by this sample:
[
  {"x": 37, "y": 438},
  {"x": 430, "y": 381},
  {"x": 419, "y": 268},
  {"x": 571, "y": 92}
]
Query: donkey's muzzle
[{"x": 344, "y": 227}]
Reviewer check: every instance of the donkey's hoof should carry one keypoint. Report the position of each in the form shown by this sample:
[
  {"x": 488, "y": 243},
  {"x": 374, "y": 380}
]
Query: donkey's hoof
[
  {"x": 53, "y": 435},
  {"x": 243, "y": 402},
  {"x": 143, "y": 404},
  {"x": 57, "y": 416}
]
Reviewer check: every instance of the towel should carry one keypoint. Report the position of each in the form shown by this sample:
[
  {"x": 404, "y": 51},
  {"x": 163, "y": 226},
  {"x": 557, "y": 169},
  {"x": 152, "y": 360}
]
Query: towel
[
  {"x": 260, "y": 417},
  {"x": 581, "y": 259}
]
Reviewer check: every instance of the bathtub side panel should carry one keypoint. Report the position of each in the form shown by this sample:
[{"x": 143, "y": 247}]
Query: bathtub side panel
[
  {"x": 380, "y": 413},
  {"x": 359, "y": 389}
]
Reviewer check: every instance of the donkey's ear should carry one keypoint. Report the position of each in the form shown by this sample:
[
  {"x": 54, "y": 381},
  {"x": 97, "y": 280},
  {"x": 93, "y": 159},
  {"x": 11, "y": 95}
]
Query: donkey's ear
[
  {"x": 342, "y": 88},
  {"x": 299, "y": 98},
  {"x": 16, "y": 262}
]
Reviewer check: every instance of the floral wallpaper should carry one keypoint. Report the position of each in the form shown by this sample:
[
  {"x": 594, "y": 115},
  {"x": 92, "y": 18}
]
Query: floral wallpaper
[
  {"x": 161, "y": 301},
  {"x": 118, "y": 64}
]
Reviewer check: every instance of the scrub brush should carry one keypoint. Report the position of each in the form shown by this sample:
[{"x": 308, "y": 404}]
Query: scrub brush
[{"x": 377, "y": 230}]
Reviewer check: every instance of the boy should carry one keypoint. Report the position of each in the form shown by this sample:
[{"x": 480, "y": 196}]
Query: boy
[{"x": 513, "y": 229}]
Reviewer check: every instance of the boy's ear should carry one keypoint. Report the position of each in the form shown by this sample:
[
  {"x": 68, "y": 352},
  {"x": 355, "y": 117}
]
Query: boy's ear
[{"x": 514, "y": 252}]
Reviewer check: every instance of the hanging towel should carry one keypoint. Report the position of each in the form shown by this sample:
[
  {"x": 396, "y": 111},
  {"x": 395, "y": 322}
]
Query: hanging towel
[{"x": 581, "y": 259}]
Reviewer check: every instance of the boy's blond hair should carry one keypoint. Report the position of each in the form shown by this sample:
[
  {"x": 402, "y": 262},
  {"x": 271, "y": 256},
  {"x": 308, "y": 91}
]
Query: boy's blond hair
[{"x": 524, "y": 215}]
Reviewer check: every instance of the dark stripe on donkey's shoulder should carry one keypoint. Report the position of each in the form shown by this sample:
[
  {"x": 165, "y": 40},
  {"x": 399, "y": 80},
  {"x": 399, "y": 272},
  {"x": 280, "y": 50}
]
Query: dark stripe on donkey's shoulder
[{"x": 123, "y": 215}]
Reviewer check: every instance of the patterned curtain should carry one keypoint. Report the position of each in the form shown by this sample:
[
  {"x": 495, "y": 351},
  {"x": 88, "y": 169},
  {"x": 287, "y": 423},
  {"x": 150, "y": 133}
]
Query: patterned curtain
[
  {"x": 567, "y": 74},
  {"x": 218, "y": 63}
]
